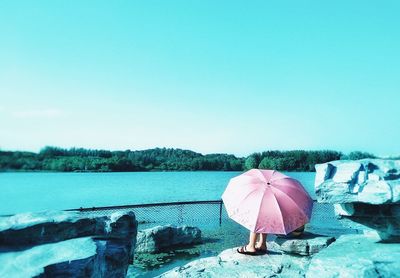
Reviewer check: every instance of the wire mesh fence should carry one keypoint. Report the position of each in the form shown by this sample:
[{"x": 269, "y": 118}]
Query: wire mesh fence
[
  {"x": 199, "y": 213},
  {"x": 212, "y": 214}
]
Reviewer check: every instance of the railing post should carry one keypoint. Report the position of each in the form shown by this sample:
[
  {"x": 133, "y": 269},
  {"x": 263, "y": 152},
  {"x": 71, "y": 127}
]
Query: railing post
[
  {"x": 180, "y": 214},
  {"x": 220, "y": 213}
]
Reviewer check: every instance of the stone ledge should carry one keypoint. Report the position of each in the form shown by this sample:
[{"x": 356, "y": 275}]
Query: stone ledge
[
  {"x": 307, "y": 245},
  {"x": 371, "y": 181},
  {"x": 356, "y": 256},
  {"x": 229, "y": 263},
  {"x": 161, "y": 238},
  {"x": 67, "y": 244}
]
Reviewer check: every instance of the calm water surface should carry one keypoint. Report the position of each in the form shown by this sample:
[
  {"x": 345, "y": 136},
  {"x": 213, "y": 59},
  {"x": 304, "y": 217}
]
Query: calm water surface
[{"x": 22, "y": 192}]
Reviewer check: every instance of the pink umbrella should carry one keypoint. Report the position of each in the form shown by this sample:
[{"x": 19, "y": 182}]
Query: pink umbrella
[{"x": 267, "y": 201}]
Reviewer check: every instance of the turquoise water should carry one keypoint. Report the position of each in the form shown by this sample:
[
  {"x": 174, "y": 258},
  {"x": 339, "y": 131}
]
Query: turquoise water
[{"x": 23, "y": 192}]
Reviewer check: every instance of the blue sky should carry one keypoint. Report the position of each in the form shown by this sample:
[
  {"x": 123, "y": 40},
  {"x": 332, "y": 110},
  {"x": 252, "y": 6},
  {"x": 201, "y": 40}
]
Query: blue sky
[{"x": 211, "y": 76}]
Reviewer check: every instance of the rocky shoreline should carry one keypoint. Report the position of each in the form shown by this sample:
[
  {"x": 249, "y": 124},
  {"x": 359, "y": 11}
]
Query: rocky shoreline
[
  {"x": 347, "y": 256},
  {"x": 365, "y": 191},
  {"x": 67, "y": 244}
]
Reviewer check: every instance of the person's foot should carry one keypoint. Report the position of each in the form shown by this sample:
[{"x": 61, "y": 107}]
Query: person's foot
[
  {"x": 245, "y": 250},
  {"x": 262, "y": 248}
]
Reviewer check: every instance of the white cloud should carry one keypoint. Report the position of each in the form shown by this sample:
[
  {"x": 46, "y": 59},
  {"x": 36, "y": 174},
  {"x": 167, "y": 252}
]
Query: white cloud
[{"x": 36, "y": 113}]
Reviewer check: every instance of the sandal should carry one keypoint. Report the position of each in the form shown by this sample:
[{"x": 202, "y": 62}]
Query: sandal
[
  {"x": 261, "y": 251},
  {"x": 243, "y": 250}
]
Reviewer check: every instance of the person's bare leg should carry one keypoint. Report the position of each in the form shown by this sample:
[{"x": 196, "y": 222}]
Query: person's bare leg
[
  {"x": 262, "y": 242},
  {"x": 251, "y": 247}
]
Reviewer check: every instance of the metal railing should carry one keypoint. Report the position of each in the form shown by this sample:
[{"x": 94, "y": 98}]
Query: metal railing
[
  {"x": 212, "y": 213},
  {"x": 202, "y": 213}
]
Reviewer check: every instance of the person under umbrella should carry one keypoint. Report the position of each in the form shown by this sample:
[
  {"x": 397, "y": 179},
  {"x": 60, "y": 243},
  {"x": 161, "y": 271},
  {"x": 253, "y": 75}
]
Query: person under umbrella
[{"x": 266, "y": 202}]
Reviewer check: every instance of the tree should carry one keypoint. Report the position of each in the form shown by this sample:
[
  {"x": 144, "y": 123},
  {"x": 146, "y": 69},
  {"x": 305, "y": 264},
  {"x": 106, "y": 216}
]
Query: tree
[
  {"x": 164, "y": 159},
  {"x": 358, "y": 155},
  {"x": 267, "y": 163},
  {"x": 252, "y": 161}
]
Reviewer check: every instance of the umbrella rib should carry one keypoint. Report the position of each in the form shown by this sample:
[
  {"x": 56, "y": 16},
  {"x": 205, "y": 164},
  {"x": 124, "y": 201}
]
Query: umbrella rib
[
  {"x": 291, "y": 199},
  {"x": 302, "y": 212},
  {"x": 280, "y": 210},
  {"x": 272, "y": 175},
  {"x": 259, "y": 209}
]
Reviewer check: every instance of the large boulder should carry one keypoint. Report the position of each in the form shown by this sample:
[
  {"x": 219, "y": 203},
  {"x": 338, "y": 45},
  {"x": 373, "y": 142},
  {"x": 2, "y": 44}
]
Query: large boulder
[
  {"x": 365, "y": 191},
  {"x": 371, "y": 181},
  {"x": 308, "y": 244},
  {"x": 356, "y": 256},
  {"x": 383, "y": 219},
  {"x": 348, "y": 256},
  {"x": 49, "y": 226},
  {"x": 79, "y": 257},
  {"x": 31, "y": 262},
  {"x": 160, "y": 238},
  {"x": 229, "y": 263},
  {"x": 103, "y": 248}
]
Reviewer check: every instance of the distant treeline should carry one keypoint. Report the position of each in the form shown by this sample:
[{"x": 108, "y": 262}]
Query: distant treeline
[
  {"x": 297, "y": 160},
  {"x": 163, "y": 159}
]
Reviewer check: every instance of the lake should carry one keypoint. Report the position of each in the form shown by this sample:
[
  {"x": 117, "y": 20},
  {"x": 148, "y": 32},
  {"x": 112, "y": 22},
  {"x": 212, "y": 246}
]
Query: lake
[{"x": 37, "y": 191}]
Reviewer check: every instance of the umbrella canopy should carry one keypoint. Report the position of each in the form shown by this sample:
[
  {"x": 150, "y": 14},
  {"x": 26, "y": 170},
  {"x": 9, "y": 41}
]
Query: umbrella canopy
[{"x": 267, "y": 201}]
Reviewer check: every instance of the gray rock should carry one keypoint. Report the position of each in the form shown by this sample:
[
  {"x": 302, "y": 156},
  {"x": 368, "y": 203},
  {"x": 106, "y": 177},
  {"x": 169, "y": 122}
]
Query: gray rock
[
  {"x": 347, "y": 172},
  {"x": 75, "y": 268},
  {"x": 47, "y": 227},
  {"x": 107, "y": 252},
  {"x": 113, "y": 258},
  {"x": 323, "y": 172},
  {"x": 122, "y": 230},
  {"x": 366, "y": 191},
  {"x": 348, "y": 256},
  {"x": 331, "y": 192},
  {"x": 83, "y": 257},
  {"x": 232, "y": 264},
  {"x": 30, "y": 262},
  {"x": 356, "y": 256},
  {"x": 372, "y": 181},
  {"x": 384, "y": 219},
  {"x": 307, "y": 245},
  {"x": 162, "y": 238}
]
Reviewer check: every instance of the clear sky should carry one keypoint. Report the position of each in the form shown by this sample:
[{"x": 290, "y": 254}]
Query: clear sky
[{"x": 211, "y": 76}]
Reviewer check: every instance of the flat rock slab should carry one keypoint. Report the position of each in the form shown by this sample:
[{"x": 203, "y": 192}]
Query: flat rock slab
[
  {"x": 307, "y": 245},
  {"x": 232, "y": 264},
  {"x": 370, "y": 181},
  {"x": 365, "y": 191},
  {"x": 28, "y": 229},
  {"x": 160, "y": 238},
  {"x": 67, "y": 244},
  {"x": 32, "y": 262},
  {"x": 48, "y": 227},
  {"x": 356, "y": 256}
]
